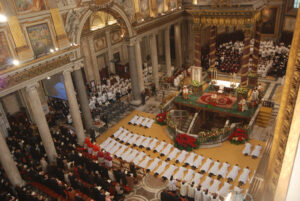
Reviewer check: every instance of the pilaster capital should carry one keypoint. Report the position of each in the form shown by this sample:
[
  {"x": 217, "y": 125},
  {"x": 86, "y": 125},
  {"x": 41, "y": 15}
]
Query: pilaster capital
[
  {"x": 134, "y": 41},
  {"x": 67, "y": 71},
  {"x": 32, "y": 87}
]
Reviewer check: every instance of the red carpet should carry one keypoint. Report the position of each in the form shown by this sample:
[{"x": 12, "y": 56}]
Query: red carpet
[
  {"x": 48, "y": 191},
  {"x": 222, "y": 100}
]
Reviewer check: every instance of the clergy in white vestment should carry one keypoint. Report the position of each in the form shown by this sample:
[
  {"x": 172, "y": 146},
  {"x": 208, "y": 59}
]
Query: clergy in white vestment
[
  {"x": 161, "y": 168},
  {"x": 256, "y": 152},
  {"x": 149, "y": 123},
  {"x": 144, "y": 123},
  {"x": 127, "y": 138},
  {"x": 132, "y": 155},
  {"x": 191, "y": 191},
  {"x": 223, "y": 170},
  {"x": 179, "y": 174},
  {"x": 173, "y": 154},
  {"x": 206, "y": 196},
  {"x": 153, "y": 165},
  {"x": 152, "y": 144},
  {"x": 189, "y": 175},
  {"x": 181, "y": 156},
  {"x": 139, "y": 157},
  {"x": 214, "y": 197},
  {"x": 206, "y": 165},
  {"x": 147, "y": 142},
  {"x": 189, "y": 161},
  {"x": 166, "y": 150},
  {"x": 169, "y": 172},
  {"x": 197, "y": 178},
  {"x": 244, "y": 176},
  {"x": 247, "y": 149},
  {"x": 197, "y": 162},
  {"x": 233, "y": 173},
  {"x": 172, "y": 184},
  {"x": 160, "y": 146},
  {"x": 206, "y": 184},
  {"x": 184, "y": 189},
  {"x": 145, "y": 162},
  {"x": 139, "y": 120},
  {"x": 133, "y": 139},
  {"x": 224, "y": 190},
  {"x": 139, "y": 141},
  {"x": 120, "y": 151},
  {"x": 215, "y": 168},
  {"x": 198, "y": 194},
  {"x": 214, "y": 187},
  {"x": 132, "y": 121},
  {"x": 118, "y": 132}
]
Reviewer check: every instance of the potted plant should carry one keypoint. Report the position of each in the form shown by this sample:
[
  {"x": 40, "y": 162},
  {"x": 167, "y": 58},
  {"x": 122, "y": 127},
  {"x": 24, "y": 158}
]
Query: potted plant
[
  {"x": 242, "y": 92},
  {"x": 239, "y": 136},
  {"x": 196, "y": 87},
  {"x": 186, "y": 142},
  {"x": 161, "y": 118}
]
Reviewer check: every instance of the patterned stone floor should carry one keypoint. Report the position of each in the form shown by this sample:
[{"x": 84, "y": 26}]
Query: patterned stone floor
[{"x": 148, "y": 189}]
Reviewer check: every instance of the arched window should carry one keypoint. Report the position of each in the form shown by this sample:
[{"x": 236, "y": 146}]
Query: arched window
[{"x": 296, "y": 3}]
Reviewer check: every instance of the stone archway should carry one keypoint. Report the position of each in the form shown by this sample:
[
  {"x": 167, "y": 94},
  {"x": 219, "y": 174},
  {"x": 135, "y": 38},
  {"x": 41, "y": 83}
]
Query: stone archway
[{"x": 77, "y": 18}]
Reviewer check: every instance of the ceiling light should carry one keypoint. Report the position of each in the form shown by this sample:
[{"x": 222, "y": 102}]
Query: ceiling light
[
  {"x": 56, "y": 49},
  {"x": 16, "y": 62},
  {"x": 3, "y": 18},
  {"x": 48, "y": 78},
  {"x": 51, "y": 50}
]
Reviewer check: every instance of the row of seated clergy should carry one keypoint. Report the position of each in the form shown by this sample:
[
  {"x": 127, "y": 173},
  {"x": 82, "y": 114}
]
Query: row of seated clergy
[
  {"x": 141, "y": 121},
  {"x": 132, "y": 154},
  {"x": 256, "y": 151},
  {"x": 106, "y": 94}
]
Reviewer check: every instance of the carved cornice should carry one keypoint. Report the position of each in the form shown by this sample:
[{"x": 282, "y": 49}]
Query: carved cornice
[
  {"x": 96, "y": 5},
  {"x": 159, "y": 21},
  {"x": 225, "y": 17},
  {"x": 29, "y": 74}
]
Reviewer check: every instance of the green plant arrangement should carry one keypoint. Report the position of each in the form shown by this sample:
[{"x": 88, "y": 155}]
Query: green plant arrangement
[
  {"x": 186, "y": 142},
  {"x": 239, "y": 136},
  {"x": 195, "y": 83},
  {"x": 242, "y": 91}
]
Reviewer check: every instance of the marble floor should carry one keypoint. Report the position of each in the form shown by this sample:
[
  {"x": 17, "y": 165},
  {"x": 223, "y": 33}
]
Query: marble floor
[{"x": 150, "y": 187}]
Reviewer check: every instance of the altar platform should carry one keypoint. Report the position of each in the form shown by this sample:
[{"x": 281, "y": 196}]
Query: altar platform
[{"x": 225, "y": 104}]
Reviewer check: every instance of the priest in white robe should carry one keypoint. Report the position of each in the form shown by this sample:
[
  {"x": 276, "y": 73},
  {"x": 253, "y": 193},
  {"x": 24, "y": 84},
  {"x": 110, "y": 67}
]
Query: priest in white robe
[
  {"x": 247, "y": 149},
  {"x": 153, "y": 165},
  {"x": 169, "y": 172},
  {"x": 172, "y": 185},
  {"x": 184, "y": 189},
  {"x": 223, "y": 170},
  {"x": 161, "y": 168},
  {"x": 160, "y": 147},
  {"x": 215, "y": 186},
  {"x": 197, "y": 162},
  {"x": 233, "y": 173},
  {"x": 198, "y": 194},
  {"x": 206, "y": 184},
  {"x": 244, "y": 176},
  {"x": 181, "y": 156},
  {"x": 173, "y": 154},
  {"x": 224, "y": 190},
  {"x": 206, "y": 166},
  {"x": 215, "y": 168},
  {"x": 256, "y": 152}
]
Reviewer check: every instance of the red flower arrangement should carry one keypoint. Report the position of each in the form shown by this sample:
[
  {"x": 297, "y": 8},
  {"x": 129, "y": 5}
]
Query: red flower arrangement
[
  {"x": 239, "y": 136},
  {"x": 161, "y": 118},
  {"x": 186, "y": 142}
]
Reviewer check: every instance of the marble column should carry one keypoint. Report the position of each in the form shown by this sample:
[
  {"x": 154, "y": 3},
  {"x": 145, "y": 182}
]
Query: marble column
[
  {"x": 88, "y": 67},
  {"x": 154, "y": 60},
  {"x": 168, "y": 52},
  {"x": 178, "y": 50},
  {"x": 94, "y": 60},
  {"x": 41, "y": 122},
  {"x": 212, "y": 47},
  {"x": 111, "y": 66},
  {"x": 74, "y": 108},
  {"x": 136, "y": 94},
  {"x": 9, "y": 165},
  {"x": 257, "y": 38},
  {"x": 245, "y": 59},
  {"x": 83, "y": 99},
  {"x": 139, "y": 65}
]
